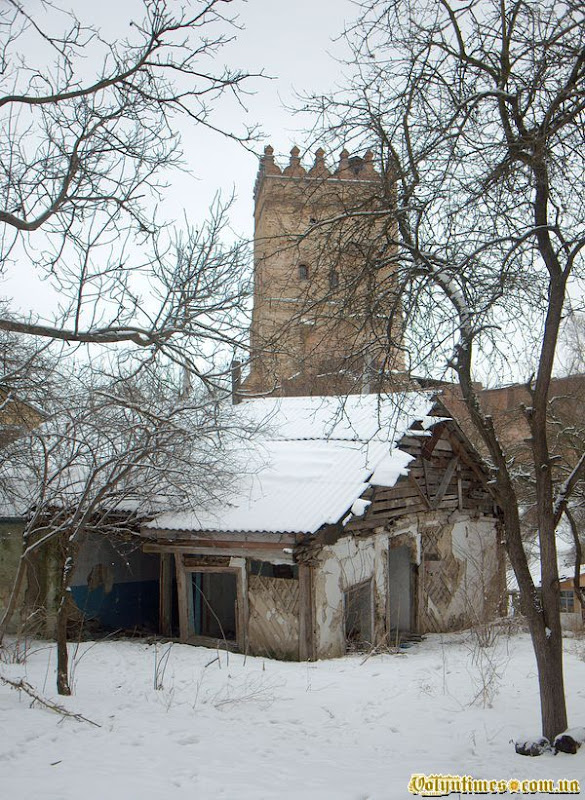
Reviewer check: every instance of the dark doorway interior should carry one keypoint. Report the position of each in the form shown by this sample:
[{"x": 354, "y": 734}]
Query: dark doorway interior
[
  {"x": 214, "y": 604},
  {"x": 399, "y": 588}
]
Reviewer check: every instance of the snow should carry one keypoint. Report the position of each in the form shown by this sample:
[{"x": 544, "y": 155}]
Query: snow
[
  {"x": 360, "y": 507},
  {"x": 391, "y": 467},
  {"x": 353, "y": 728},
  {"x": 309, "y": 460}
]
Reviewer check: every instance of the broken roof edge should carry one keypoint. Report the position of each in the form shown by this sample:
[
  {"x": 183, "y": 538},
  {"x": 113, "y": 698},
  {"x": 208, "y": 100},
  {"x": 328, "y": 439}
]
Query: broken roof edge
[{"x": 287, "y": 515}]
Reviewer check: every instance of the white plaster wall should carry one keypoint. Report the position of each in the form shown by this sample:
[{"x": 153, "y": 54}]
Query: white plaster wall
[
  {"x": 349, "y": 561},
  {"x": 474, "y": 542}
]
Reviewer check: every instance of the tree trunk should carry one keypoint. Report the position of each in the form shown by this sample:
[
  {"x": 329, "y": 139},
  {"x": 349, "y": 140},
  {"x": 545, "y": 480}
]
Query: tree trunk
[
  {"x": 62, "y": 654},
  {"x": 549, "y": 658},
  {"x": 68, "y": 551}
]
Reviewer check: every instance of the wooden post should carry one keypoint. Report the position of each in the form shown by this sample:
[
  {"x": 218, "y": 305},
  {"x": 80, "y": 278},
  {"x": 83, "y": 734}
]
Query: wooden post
[
  {"x": 183, "y": 600},
  {"x": 306, "y": 627},
  {"x": 243, "y": 608}
]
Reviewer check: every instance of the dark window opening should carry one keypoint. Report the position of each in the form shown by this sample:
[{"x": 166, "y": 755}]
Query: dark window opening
[
  {"x": 358, "y": 616},
  {"x": 313, "y": 220},
  {"x": 304, "y": 272},
  {"x": 333, "y": 279},
  {"x": 268, "y": 570},
  {"x": 568, "y": 601}
]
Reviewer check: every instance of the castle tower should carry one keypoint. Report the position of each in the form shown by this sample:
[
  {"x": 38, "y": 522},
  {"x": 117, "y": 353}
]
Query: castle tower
[{"x": 323, "y": 279}]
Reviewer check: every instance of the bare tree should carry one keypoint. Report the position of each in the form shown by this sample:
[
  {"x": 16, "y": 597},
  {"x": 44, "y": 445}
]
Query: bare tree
[
  {"x": 108, "y": 457},
  {"x": 477, "y": 112},
  {"x": 85, "y": 153}
]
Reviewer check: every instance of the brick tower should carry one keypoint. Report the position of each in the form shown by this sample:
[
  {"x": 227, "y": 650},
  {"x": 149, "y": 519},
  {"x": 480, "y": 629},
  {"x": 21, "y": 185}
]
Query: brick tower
[{"x": 323, "y": 279}]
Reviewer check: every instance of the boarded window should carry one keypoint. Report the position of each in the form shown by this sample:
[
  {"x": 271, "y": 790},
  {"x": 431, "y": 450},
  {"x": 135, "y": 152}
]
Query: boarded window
[{"x": 359, "y": 616}]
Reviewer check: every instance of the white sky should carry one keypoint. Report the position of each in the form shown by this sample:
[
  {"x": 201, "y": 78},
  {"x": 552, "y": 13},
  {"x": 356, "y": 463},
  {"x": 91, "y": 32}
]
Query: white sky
[{"x": 293, "y": 45}]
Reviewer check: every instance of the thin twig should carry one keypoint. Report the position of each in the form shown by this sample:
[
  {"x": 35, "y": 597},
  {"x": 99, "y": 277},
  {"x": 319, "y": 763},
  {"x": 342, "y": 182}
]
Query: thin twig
[{"x": 23, "y": 686}]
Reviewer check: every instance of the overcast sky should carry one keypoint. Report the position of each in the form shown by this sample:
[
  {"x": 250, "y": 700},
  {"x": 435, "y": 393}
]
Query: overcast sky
[{"x": 294, "y": 46}]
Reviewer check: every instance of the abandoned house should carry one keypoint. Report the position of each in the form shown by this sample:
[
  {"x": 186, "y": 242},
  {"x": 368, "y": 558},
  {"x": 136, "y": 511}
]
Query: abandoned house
[
  {"x": 354, "y": 520},
  {"x": 358, "y": 516}
]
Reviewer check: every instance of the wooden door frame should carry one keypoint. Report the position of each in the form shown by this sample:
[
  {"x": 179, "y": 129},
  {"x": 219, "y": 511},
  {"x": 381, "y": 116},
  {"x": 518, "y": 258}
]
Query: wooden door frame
[{"x": 183, "y": 589}]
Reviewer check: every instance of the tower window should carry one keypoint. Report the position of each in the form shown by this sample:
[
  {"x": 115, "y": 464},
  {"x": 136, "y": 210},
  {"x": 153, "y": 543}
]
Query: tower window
[
  {"x": 303, "y": 272},
  {"x": 333, "y": 279}
]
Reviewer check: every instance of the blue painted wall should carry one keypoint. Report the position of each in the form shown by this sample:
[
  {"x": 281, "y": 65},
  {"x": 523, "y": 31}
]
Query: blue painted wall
[
  {"x": 127, "y": 605},
  {"x": 126, "y": 595}
]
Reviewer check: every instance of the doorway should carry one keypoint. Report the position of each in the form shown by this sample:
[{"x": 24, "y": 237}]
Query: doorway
[
  {"x": 213, "y": 604},
  {"x": 399, "y": 589}
]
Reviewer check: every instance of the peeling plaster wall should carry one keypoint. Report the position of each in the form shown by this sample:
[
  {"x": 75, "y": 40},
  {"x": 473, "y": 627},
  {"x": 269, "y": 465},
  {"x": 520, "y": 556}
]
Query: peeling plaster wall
[
  {"x": 459, "y": 575},
  {"x": 116, "y": 583},
  {"x": 344, "y": 564}
]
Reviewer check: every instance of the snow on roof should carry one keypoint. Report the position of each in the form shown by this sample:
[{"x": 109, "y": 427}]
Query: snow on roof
[{"x": 310, "y": 460}]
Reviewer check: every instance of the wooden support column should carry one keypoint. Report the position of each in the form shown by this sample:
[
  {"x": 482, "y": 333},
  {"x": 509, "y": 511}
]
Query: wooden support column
[
  {"x": 165, "y": 602},
  {"x": 183, "y": 600},
  {"x": 306, "y": 613},
  {"x": 445, "y": 481},
  {"x": 244, "y": 611}
]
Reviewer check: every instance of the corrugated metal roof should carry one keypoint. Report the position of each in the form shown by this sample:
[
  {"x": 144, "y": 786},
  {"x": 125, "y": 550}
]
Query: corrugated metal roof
[{"x": 310, "y": 459}]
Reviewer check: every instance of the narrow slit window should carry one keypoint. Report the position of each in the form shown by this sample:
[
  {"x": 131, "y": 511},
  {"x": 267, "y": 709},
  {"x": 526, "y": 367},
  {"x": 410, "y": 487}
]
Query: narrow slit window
[
  {"x": 304, "y": 272},
  {"x": 333, "y": 279}
]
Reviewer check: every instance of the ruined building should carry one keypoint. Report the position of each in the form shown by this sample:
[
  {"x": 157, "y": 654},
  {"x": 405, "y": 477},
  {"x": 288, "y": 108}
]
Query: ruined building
[{"x": 323, "y": 279}]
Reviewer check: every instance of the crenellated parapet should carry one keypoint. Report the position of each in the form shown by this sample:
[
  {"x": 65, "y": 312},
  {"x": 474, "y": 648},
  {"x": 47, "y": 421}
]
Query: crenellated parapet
[{"x": 349, "y": 168}]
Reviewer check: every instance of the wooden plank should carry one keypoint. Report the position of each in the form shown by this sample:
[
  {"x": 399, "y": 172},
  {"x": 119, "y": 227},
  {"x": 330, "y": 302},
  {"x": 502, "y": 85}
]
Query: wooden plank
[
  {"x": 194, "y": 567},
  {"x": 401, "y": 502},
  {"x": 245, "y": 612},
  {"x": 306, "y": 623},
  {"x": 460, "y": 450},
  {"x": 241, "y": 611},
  {"x": 200, "y": 560},
  {"x": 425, "y": 499},
  {"x": 399, "y": 492},
  {"x": 235, "y": 549},
  {"x": 431, "y": 443},
  {"x": 446, "y": 480},
  {"x": 185, "y": 537},
  {"x": 183, "y": 600}
]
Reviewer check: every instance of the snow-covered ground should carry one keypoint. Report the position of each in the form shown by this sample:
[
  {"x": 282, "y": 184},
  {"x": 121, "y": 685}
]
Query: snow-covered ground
[{"x": 347, "y": 729}]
